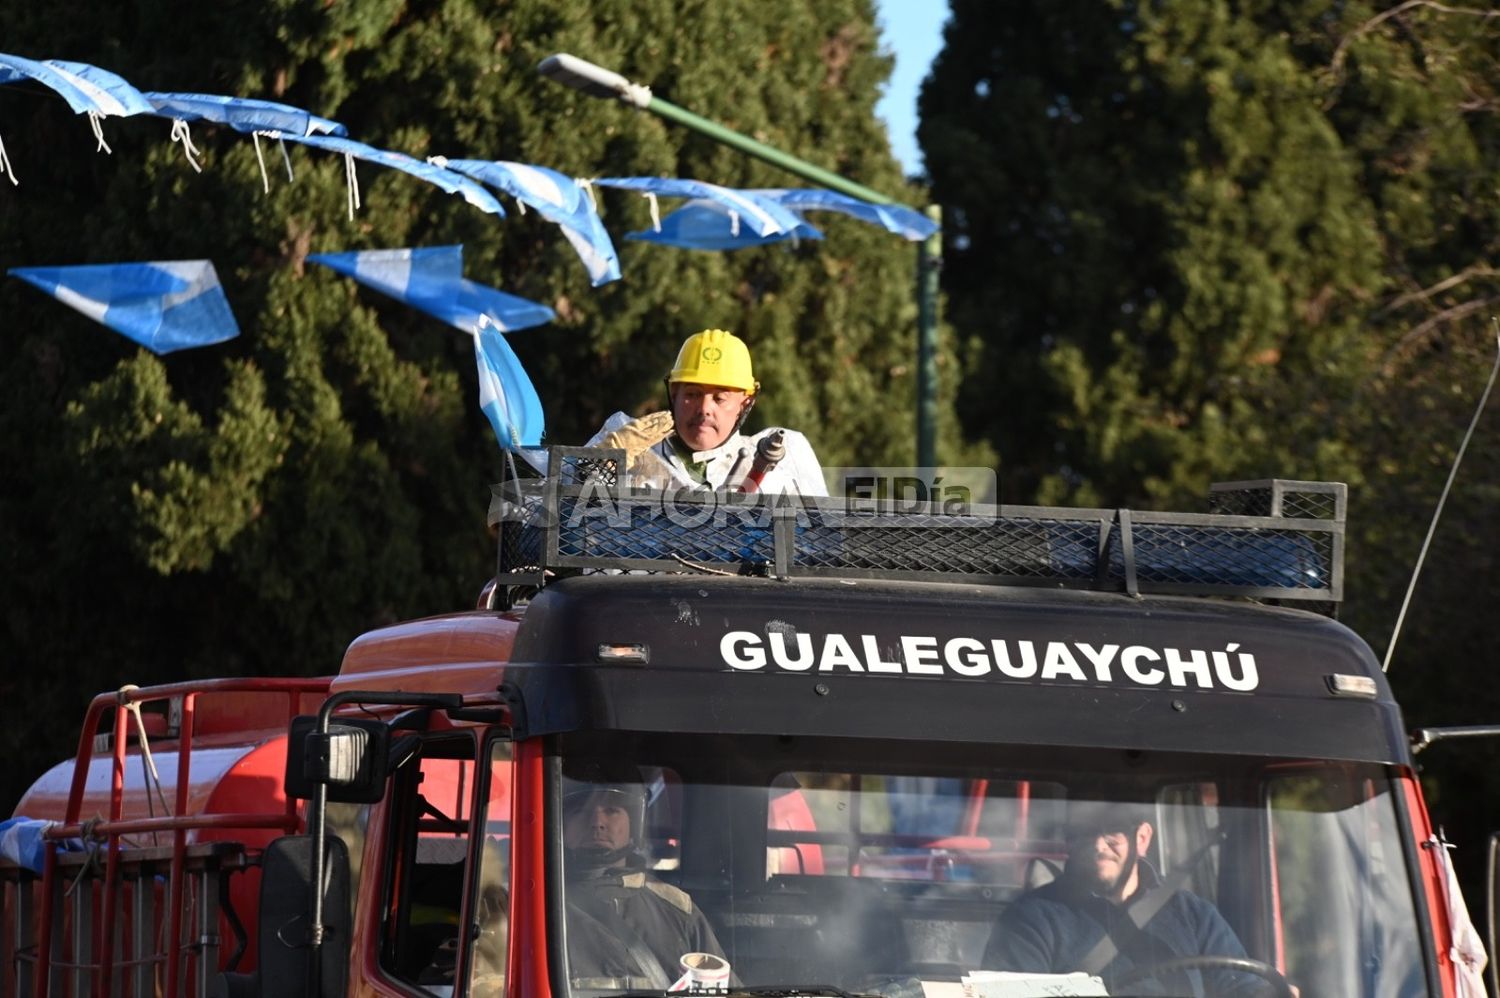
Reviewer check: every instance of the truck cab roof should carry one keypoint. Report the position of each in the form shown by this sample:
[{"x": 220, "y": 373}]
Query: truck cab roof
[{"x": 899, "y": 659}]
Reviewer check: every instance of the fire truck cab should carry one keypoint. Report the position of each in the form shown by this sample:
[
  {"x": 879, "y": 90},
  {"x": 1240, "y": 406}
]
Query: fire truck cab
[{"x": 853, "y": 751}]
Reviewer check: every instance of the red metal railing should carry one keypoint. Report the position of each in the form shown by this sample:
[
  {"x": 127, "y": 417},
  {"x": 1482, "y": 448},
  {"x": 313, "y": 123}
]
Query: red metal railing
[{"x": 179, "y": 823}]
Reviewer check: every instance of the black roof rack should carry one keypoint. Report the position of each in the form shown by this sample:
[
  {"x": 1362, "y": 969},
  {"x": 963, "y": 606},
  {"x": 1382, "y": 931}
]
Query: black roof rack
[{"x": 1270, "y": 540}]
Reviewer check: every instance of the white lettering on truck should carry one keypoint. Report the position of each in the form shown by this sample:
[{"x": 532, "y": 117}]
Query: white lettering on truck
[{"x": 971, "y": 658}]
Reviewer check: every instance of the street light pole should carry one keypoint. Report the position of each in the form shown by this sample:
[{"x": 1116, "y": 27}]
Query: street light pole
[{"x": 596, "y": 81}]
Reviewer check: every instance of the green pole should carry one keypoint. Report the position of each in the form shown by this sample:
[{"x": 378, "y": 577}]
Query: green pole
[
  {"x": 596, "y": 81},
  {"x": 769, "y": 154}
]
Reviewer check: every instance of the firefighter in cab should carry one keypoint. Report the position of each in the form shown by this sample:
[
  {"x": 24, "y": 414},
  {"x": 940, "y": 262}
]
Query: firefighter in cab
[{"x": 626, "y": 928}]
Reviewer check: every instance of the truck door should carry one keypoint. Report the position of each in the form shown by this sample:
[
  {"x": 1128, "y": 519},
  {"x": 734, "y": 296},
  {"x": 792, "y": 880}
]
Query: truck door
[{"x": 438, "y": 895}]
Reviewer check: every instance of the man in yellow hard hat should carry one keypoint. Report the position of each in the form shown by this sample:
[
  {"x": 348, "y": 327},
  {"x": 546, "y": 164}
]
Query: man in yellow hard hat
[{"x": 712, "y": 388}]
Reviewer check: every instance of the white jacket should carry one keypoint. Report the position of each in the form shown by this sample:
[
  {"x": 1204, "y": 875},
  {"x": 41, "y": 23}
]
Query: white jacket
[{"x": 798, "y": 472}]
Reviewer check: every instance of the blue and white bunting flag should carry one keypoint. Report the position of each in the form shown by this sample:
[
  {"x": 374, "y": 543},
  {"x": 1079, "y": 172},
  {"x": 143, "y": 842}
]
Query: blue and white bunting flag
[
  {"x": 704, "y": 224},
  {"x": 87, "y": 89},
  {"x": 243, "y": 114},
  {"x": 162, "y": 305},
  {"x": 431, "y": 278},
  {"x": 453, "y": 183},
  {"x": 742, "y": 209},
  {"x": 506, "y": 395},
  {"x": 718, "y": 223},
  {"x": 908, "y": 223},
  {"x": 558, "y": 199}
]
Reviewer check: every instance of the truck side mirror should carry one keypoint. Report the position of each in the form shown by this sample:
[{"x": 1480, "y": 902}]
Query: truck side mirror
[
  {"x": 285, "y": 897},
  {"x": 351, "y": 760}
]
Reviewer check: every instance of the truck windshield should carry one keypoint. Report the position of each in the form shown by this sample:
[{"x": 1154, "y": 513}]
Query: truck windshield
[{"x": 914, "y": 870}]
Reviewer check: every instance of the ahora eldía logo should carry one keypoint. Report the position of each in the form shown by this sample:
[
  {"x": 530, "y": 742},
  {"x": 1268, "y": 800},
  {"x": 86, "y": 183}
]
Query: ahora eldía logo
[{"x": 876, "y": 492}]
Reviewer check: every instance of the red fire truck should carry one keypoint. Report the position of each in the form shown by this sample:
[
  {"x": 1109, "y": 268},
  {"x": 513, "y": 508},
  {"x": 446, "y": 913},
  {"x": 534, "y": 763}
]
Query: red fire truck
[{"x": 855, "y": 751}]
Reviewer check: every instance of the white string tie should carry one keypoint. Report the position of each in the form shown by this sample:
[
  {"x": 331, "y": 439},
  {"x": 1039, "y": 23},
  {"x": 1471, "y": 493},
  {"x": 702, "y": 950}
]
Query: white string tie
[
  {"x": 587, "y": 186},
  {"x": 148, "y": 764},
  {"x": 265, "y": 182},
  {"x": 734, "y": 223},
  {"x": 260, "y": 157},
  {"x": 353, "y": 184},
  {"x": 655, "y": 211},
  {"x": 5, "y": 166},
  {"x": 181, "y": 134},
  {"x": 94, "y": 120},
  {"x": 146, "y": 757},
  {"x": 637, "y": 94}
]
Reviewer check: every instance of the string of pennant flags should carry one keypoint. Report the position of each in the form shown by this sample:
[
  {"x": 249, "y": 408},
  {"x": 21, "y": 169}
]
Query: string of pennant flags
[{"x": 174, "y": 305}]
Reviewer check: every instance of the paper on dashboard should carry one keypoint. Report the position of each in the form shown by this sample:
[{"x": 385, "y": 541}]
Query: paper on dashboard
[{"x": 1023, "y": 984}]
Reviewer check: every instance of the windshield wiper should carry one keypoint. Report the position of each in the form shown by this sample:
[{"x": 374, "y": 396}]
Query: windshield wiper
[
  {"x": 778, "y": 991},
  {"x": 796, "y": 991}
]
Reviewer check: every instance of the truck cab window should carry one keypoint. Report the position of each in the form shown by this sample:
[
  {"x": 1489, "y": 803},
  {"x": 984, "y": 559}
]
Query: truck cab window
[
  {"x": 1190, "y": 837},
  {"x": 891, "y": 868},
  {"x": 909, "y": 827},
  {"x": 490, "y": 922},
  {"x": 1342, "y": 877},
  {"x": 442, "y": 850}
]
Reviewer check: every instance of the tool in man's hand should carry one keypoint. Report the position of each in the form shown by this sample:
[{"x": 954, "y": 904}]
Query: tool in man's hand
[
  {"x": 738, "y": 470},
  {"x": 769, "y": 452}
]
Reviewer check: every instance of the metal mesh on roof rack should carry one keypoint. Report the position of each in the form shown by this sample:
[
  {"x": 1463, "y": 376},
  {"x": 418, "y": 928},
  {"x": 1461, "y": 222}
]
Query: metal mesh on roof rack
[
  {"x": 1192, "y": 555},
  {"x": 1278, "y": 497},
  {"x": 578, "y": 465},
  {"x": 641, "y": 527},
  {"x": 940, "y": 542},
  {"x": 585, "y": 519}
]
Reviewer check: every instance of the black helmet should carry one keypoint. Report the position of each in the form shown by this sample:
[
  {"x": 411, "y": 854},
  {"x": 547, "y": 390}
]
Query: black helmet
[
  {"x": 588, "y": 784},
  {"x": 1087, "y": 819}
]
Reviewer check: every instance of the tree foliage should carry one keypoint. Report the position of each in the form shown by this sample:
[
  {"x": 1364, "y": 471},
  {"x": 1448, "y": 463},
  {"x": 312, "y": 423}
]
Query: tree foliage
[
  {"x": 251, "y": 508},
  {"x": 1194, "y": 241}
]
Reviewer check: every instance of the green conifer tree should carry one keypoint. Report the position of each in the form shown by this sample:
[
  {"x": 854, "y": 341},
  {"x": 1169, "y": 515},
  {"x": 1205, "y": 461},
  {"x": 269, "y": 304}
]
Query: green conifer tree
[{"x": 1159, "y": 238}]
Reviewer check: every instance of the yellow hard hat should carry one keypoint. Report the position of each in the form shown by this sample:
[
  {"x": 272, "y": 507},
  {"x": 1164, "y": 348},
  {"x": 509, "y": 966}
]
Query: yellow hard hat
[{"x": 714, "y": 357}]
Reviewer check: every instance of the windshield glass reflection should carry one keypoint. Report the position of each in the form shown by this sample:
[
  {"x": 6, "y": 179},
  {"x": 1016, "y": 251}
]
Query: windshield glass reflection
[{"x": 920, "y": 871}]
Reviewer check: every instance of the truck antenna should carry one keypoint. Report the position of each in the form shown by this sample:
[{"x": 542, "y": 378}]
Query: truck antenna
[{"x": 1432, "y": 527}]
